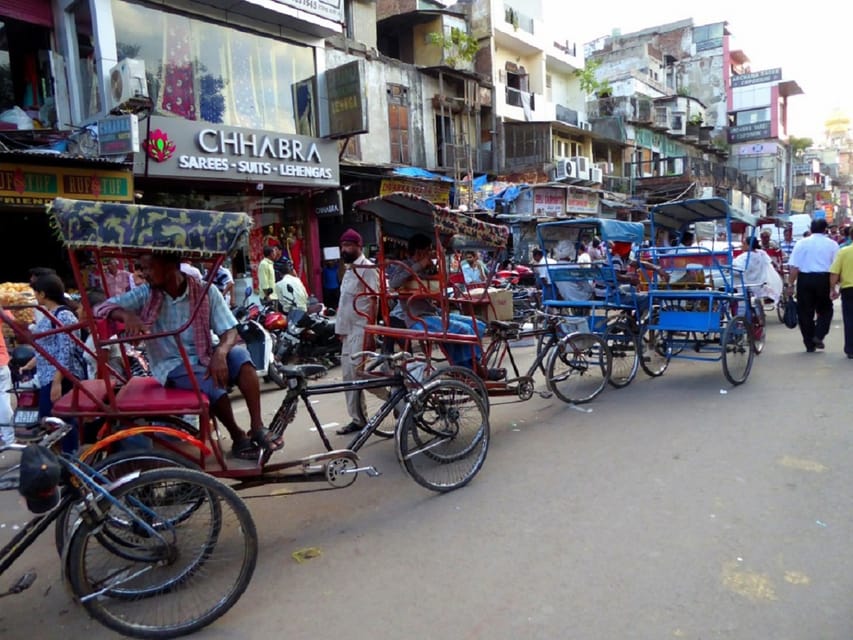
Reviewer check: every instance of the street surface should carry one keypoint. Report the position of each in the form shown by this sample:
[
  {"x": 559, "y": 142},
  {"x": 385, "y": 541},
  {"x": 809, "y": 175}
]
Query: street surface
[{"x": 678, "y": 507}]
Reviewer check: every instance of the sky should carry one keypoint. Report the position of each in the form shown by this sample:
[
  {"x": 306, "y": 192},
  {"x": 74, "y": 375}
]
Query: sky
[{"x": 806, "y": 42}]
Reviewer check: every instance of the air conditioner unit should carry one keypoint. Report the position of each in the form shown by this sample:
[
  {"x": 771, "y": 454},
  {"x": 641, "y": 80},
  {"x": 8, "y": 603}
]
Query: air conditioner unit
[
  {"x": 586, "y": 126},
  {"x": 564, "y": 168},
  {"x": 582, "y": 164},
  {"x": 606, "y": 167},
  {"x": 596, "y": 175},
  {"x": 127, "y": 80}
]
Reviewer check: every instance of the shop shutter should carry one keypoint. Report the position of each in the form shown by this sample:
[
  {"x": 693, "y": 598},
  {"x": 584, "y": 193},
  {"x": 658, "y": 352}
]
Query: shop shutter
[{"x": 32, "y": 11}]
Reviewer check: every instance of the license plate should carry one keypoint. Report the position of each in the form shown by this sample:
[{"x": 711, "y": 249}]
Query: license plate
[{"x": 25, "y": 418}]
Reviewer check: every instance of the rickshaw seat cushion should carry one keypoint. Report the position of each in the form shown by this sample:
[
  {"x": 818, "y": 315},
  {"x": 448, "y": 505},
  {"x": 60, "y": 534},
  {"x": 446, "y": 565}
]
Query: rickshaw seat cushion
[
  {"x": 77, "y": 402},
  {"x": 147, "y": 394}
]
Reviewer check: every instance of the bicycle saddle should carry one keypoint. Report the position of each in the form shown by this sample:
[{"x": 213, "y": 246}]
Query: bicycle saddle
[{"x": 303, "y": 371}]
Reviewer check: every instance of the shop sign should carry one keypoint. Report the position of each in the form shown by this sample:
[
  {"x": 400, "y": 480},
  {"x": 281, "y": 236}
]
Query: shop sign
[
  {"x": 329, "y": 9},
  {"x": 345, "y": 100},
  {"x": 798, "y": 205},
  {"x": 752, "y": 131},
  {"x": 118, "y": 135},
  {"x": 177, "y": 148},
  {"x": 37, "y": 185},
  {"x": 436, "y": 192},
  {"x": 328, "y": 204},
  {"x": 582, "y": 202},
  {"x": 542, "y": 202},
  {"x": 757, "y": 77},
  {"x": 758, "y": 149}
]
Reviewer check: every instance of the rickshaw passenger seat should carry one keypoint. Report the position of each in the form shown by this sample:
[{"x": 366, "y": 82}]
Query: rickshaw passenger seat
[
  {"x": 76, "y": 402},
  {"x": 147, "y": 394}
]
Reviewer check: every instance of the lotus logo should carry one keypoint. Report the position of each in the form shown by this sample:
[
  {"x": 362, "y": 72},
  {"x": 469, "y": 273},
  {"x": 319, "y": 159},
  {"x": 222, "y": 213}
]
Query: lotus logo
[{"x": 158, "y": 146}]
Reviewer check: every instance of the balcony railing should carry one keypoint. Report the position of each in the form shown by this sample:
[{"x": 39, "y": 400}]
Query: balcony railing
[
  {"x": 518, "y": 20},
  {"x": 516, "y": 98},
  {"x": 569, "y": 48}
]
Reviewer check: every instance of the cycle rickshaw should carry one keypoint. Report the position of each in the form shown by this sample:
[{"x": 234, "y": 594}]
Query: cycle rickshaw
[
  {"x": 598, "y": 294},
  {"x": 442, "y": 430},
  {"x": 473, "y": 324},
  {"x": 708, "y": 315}
]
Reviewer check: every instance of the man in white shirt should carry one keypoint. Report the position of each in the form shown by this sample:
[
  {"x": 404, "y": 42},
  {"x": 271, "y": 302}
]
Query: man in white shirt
[
  {"x": 540, "y": 270},
  {"x": 809, "y": 272},
  {"x": 290, "y": 291}
]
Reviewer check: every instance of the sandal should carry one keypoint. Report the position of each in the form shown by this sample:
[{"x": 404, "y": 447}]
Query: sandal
[
  {"x": 245, "y": 449},
  {"x": 263, "y": 438}
]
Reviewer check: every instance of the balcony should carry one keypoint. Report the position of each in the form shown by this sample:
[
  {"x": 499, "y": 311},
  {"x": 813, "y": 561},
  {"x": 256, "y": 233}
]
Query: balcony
[
  {"x": 637, "y": 109},
  {"x": 563, "y": 56},
  {"x": 517, "y": 32},
  {"x": 653, "y": 174}
]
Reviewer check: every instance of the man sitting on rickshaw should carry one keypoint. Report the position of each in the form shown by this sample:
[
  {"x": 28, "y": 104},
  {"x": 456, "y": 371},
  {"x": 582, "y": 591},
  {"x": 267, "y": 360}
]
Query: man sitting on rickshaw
[
  {"x": 166, "y": 303},
  {"x": 420, "y": 312}
]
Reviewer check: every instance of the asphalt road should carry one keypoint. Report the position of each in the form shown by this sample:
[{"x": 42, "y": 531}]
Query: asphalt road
[{"x": 678, "y": 507}]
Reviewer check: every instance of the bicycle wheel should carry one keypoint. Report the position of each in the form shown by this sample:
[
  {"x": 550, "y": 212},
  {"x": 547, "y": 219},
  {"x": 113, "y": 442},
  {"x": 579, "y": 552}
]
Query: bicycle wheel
[
  {"x": 113, "y": 467},
  {"x": 578, "y": 368},
  {"x": 624, "y": 353},
  {"x": 443, "y": 435},
  {"x": 738, "y": 351},
  {"x": 544, "y": 343},
  {"x": 183, "y": 578},
  {"x": 655, "y": 348},
  {"x": 759, "y": 328}
]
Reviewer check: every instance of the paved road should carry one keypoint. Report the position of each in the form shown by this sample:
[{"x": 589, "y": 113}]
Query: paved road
[{"x": 678, "y": 507}]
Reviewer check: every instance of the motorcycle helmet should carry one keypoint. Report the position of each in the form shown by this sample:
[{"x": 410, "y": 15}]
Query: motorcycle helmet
[{"x": 275, "y": 321}]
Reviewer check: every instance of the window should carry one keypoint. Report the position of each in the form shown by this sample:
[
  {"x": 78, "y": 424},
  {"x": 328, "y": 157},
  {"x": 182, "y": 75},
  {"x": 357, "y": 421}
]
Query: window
[
  {"x": 398, "y": 122},
  {"x": 752, "y": 116},
  {"x": 204, "y": 71},
  {"x": 25, "y": 78},
  {"x": 89, "y": 100}
]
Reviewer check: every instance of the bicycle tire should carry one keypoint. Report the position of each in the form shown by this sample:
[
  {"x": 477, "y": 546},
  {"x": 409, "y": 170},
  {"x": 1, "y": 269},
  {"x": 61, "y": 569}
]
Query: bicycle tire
[
  {"x": 115, "y": 604},
  {"x": 114, "y": 467},
  {"x": 541, "y": 342},
  {"x": 443, "y": 435},
  {"x": 655, "y": 348},
  {"x": 579, "y": 368},
  {"x": 737, "y": 356},
  {"x": 624, "y": 353},
  {"x": 759, "y": 328}
]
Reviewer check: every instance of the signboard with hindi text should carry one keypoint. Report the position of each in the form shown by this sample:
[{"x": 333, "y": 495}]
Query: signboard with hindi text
[{"x": 436, "y": 192}]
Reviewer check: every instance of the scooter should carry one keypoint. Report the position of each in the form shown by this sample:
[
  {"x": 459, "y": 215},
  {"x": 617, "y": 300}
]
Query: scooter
[
  {"x": 258, "y": 340},
  {"x": 309, "y": 337}
]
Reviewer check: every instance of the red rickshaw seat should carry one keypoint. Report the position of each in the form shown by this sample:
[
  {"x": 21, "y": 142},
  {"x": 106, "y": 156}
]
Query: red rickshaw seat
[
  {"x": 144, "y": 394},
  {"x": 77, "y": 401}
]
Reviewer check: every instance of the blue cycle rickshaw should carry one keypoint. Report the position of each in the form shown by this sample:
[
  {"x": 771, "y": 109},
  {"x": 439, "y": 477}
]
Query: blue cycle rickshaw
[
  {"x": 708, "y": 314},
  {"x": 597, "y": 293}
]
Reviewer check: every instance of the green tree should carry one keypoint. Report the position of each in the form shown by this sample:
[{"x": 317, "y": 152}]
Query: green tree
[
  {"x": 799, "y": 145},
  {"x": 458, "y": 46},
  {"x": 588, "y": 82}
]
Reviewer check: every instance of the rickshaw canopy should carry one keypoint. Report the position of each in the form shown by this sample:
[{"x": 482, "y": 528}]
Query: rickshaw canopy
[
  {"x": 402, "y": 215},
  {"x": 83, "y": 224},
  {"x": 615, "y": 230},
  {"x": 682, "y": 213}
]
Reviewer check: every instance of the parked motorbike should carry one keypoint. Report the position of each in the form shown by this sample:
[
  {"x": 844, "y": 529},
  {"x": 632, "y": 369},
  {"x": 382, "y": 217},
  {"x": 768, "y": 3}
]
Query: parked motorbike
[
  {"x": 308, "y": 336},
  {"x": 25, "y": 418},
  {"x": 258, "y": 340}
]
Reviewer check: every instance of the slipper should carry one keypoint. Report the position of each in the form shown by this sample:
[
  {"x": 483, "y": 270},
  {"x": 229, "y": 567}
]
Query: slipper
[
  {"x": 266, "y": 439},
  {"x": 352, "y": 427},
  {"x": 245, "y": 449}
]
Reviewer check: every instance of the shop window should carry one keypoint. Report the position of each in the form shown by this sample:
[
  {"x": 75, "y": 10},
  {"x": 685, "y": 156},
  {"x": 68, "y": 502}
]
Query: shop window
[
  {"x": 398, "y": 123},
  {"x": 204, "y": 71},
  {"x": 87, "y": 73},
  {"x": 25, "y": 76}
]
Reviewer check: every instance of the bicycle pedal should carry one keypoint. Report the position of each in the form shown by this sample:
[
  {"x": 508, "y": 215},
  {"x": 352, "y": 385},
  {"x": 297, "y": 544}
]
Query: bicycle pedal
[
  {"x": 22, "y": 584},
  {"x": 546, "y": 394}
]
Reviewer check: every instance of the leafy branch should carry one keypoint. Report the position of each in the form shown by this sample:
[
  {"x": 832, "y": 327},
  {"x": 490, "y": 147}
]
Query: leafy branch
[{"x": 458, "y": 46}]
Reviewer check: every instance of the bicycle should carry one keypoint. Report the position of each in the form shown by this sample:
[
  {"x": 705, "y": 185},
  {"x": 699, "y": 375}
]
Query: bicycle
[{"x": 142, "y": 548}]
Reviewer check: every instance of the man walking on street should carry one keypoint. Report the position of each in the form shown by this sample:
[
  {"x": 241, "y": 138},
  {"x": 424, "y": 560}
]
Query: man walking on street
[
  {"x": 266, "y": 274},
  {"x": 841, "y": 273},
  {"x": 354, "y": 312},
  {"x": 810, "y": 262}
]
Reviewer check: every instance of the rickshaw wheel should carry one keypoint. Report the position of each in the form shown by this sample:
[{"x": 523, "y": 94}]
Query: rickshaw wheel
[
  {"x": 738, "y": 350},
  {"x": 655, "y": 348},
  {"x": 113, "y": 467},
  {"x": 578, "y": 368},
  {"x": 624, "y": 353}
]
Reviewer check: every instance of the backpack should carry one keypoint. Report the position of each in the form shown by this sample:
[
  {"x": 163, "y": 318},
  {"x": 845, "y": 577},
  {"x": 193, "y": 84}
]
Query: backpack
[{"x": 789, "y": 314}]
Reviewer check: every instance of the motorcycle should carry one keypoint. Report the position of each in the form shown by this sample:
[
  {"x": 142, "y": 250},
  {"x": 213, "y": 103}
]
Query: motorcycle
[
  {"x": 25, "y": 418},
  {"x": 258, "y": 339},
  {"x": 308, "y": 336}
]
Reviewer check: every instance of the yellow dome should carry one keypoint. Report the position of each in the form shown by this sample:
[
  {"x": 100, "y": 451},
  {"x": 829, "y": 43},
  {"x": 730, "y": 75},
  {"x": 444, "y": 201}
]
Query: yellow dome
[{"x": 837, "y": 122}]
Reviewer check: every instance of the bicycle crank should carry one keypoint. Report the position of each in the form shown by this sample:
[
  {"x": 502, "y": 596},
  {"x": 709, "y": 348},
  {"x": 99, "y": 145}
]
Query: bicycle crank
[
  {"x": 22, "y": 584},
  {"x": 342, "y": 472}
]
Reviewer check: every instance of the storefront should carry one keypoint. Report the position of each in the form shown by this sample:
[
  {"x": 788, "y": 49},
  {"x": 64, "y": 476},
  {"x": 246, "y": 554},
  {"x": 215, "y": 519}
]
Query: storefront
[
  {"x": 287, "y": 183},
  {"x": 30, "y": 181}
]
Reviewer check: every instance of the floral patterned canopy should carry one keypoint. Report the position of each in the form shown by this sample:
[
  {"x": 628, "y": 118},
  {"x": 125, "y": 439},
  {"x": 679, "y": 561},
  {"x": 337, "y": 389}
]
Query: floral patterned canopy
[
  {"x": 404, "y": 214},
  {"x": 83, "y": 224}
]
